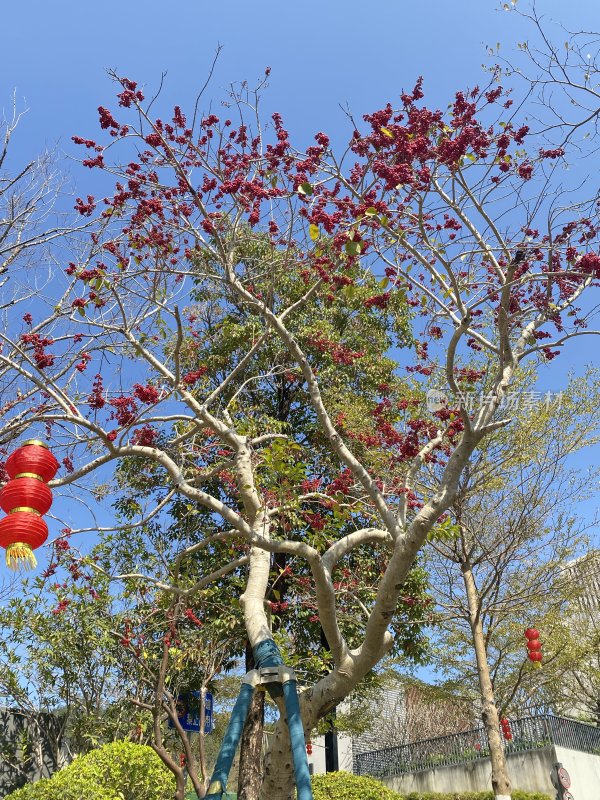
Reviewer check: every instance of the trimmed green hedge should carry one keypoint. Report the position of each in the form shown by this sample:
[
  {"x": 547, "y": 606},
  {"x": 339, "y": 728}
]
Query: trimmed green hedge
[
  {"x": 117, "y": 771},
  {"x": 516, "y": 794},
  {"x": 345, "y": 786}
]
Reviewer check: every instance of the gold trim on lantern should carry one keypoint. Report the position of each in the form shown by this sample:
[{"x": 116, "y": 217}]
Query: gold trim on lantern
[
  {"x": 20, "y": 556},
  {"x": 35, "y": 441},
  {"x": 30, "y": 475},
  {"x": 24, "y": 508}
]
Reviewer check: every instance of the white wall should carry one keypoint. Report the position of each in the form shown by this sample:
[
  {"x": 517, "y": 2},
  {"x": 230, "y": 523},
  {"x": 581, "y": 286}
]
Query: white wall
[
  {"x": 584, "y": 770},
  {"x": 529, "y": 771}
]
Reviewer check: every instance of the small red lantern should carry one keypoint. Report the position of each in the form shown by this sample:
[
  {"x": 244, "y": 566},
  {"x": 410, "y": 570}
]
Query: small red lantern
[
  {"x": 309, "y": 748},
  {"x": 25, "y": 498},
  {"x": 506, "y": 731},
  {"x": 535, "y": 656},
  {"x": 534, "y": 646}
]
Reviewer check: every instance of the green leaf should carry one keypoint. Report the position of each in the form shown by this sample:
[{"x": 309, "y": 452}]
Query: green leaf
[
  {"x": 353, "y": 248},
  {"x": 371, "y": 212},
  {"x": 305, "y": 188}
]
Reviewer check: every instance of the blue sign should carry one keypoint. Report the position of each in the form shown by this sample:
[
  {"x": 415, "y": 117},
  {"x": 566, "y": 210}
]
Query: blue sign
[{"x": 188, "y": 712}]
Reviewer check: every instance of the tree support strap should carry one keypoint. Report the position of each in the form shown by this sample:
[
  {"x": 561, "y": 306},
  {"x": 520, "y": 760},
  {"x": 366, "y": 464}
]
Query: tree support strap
[{"x": 270, "y": 674}]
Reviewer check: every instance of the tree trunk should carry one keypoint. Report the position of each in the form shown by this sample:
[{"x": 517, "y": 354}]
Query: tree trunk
[
  {"x": 250, "y": 770},
  {"x": 278, "y": 782},
  {"x": 489, "y": 714}
]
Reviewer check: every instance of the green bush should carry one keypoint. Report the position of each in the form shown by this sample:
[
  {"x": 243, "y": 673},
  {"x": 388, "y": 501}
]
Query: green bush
[
  {"x": 344, "y": 786},
  {"x": 117, "y": 771},
  {"x": 517, "y": 794}
]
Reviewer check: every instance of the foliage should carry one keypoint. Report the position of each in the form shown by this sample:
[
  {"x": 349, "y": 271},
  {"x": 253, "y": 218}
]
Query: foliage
[
  {"x": 518, "y": 529},
  {"x": 516, "y": 794},
  {"x": 116, "y": 771},
  {"x": 345, "y": 786}
]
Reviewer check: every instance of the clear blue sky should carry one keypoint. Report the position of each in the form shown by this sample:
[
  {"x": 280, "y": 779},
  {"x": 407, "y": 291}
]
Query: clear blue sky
[{"x": 324, "y": 54}]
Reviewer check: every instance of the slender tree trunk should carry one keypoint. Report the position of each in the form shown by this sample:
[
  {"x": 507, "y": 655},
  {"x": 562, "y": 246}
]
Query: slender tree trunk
[
  {"x": 489, "y": 714},
  {"x": 250, "y": 771},
  {"x": 204, "y": 777}
]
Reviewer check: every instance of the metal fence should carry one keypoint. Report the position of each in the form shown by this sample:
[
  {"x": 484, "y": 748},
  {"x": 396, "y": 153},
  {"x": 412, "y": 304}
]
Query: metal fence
[{"x": 529, "y": 733}]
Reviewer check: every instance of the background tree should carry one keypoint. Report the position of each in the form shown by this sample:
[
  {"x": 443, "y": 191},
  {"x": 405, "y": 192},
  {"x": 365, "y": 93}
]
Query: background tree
[{"x": 502, "y": 566}]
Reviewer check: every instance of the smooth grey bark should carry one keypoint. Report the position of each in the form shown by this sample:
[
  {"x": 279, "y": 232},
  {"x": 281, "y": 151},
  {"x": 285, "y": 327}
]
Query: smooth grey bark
[{"x": 489, "y": 714}]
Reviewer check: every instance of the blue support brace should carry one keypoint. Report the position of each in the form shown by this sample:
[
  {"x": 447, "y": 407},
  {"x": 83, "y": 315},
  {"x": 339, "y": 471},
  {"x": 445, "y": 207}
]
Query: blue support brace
[
  {"x": 292, "y": 707},
  {"x": 266, "y": 654},
  {"x": 218, "y": 783}
]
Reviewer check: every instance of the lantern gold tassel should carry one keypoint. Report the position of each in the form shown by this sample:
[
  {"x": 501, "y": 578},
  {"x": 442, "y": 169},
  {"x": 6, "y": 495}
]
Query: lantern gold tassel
[{"x": 19, "y": 556}]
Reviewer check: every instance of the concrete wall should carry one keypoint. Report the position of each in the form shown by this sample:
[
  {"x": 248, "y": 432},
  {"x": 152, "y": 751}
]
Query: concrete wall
[
  {"x": 529, "y": 771},
  {"x": 584, "y": 770}
]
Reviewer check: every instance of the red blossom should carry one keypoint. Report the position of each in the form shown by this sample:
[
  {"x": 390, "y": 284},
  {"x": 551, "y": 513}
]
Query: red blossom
[
  {"x": 146, "y": 394},
  {"x": 193, "y": 377},
  {"x": 96, "y": 399},
  {"x": 145, "y": 436}
]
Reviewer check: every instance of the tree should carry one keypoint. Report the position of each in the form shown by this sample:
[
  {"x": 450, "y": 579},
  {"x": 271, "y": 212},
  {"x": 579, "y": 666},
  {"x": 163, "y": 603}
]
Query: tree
[
  {"x": 59, "y": 671},
  {"x": 502, "y": 566},
  {"x": 446, "y": 205}
]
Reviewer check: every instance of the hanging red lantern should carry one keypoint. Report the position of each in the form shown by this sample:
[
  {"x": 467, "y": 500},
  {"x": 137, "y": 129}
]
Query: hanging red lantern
[
  {"x": 25, "y": 498},
  {"x": 506, "y": 731},
  {"x": 29, "y": 493},
  {"x": 309, "y": 748},
  {"x": 32, "y": 460},
  {"x": 20, "y": 533},
  {"x": 534, "y": 646},
  {"x": 535, "y": 656}
]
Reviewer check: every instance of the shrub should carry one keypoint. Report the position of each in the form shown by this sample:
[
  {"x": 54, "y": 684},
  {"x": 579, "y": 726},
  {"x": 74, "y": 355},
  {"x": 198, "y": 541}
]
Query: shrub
[
  {"x": 516, "y": 794},
  {"x": 345, "y": 786},
  {"x": 117, "y": 771}
]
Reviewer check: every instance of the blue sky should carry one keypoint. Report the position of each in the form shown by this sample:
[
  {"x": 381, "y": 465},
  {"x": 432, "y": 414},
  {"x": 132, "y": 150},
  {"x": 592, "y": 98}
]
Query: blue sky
[{"x": 322, "y": 55}]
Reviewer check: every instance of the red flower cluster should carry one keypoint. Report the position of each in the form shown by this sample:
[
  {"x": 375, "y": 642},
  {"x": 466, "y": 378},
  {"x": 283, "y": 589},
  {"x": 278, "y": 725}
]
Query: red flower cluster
[{"x": 40, "y": 356}]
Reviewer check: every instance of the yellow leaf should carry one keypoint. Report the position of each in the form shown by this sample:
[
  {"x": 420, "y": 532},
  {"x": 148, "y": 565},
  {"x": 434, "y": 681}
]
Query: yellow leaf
[
  {"x": 387, "y": 132},
  {"x": 314, "y": 232}
]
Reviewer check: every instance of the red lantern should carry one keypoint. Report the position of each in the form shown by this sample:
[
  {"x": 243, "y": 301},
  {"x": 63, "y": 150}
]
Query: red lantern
[
  {"x": 26, "y": 493},
  {"x": 309, "y": 748},
  {"x": 32, "y": 460},
  {"x": 534, "y": 646},
  {"x": 25, "y": 498},
  {"x": 20, "y": 533},
  {"x": 535, "y": 656}
]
